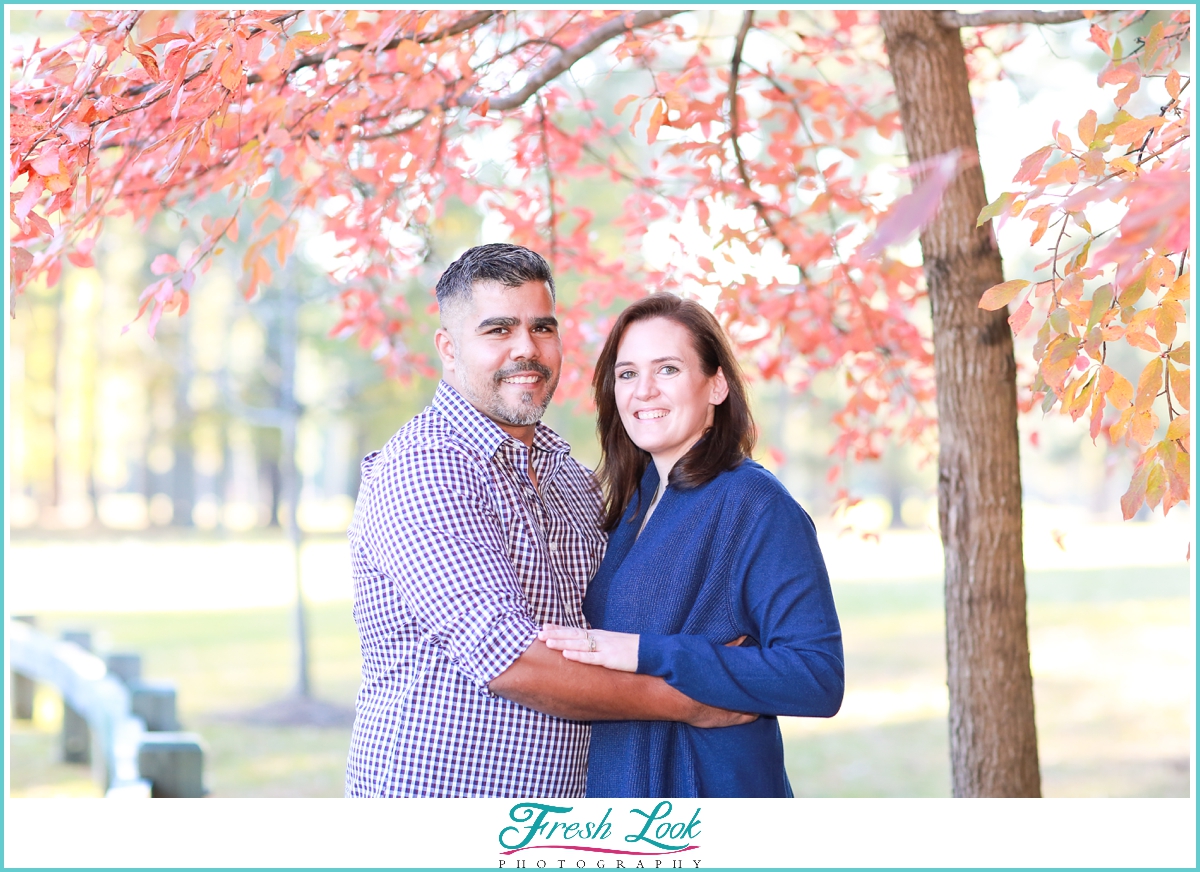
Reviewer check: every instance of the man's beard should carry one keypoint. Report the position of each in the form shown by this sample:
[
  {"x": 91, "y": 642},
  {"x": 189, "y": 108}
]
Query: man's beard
[{"x": 528, "y": 411}]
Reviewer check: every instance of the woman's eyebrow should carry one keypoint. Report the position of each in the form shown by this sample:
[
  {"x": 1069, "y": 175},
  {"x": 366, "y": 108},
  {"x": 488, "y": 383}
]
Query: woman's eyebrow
[{"x": 656, "y": 360}]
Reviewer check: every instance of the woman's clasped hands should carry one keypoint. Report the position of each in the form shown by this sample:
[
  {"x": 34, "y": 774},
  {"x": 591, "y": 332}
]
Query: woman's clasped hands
[{"x": 596, "y": 647}]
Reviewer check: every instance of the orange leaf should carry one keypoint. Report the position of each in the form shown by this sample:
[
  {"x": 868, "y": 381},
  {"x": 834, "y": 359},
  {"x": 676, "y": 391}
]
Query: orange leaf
[
  {"x": 623, "y": 102},
  {"x": 1121, "y": 392},
  {"x": 1149, "y": 384},
  {"x": 656, "y": 120},
  {"x": 1136, "y": 495},
  {"x": 1173, "y": 84},
  {"x": 1093, "y": 162},
  {"x": 999, "y": 296},
  {"x": 1087, "y": 127},
  {"x": 1063, "y": 172},
  {"x": 1160, "y": 273},
  {"x": 1165, "y": 325},
  {"x": 1117, "y": 431},
  {"x": 1141, "y": 339},
  {"x": 1143, "y": 427},
  {"x": 1097, "y": 416}
]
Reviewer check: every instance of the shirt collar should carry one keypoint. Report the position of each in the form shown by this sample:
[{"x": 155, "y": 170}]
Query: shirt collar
[{"x": 484, "y": 433}]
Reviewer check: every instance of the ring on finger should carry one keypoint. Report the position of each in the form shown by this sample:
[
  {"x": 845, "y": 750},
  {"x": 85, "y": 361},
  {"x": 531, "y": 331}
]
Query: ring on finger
[{"x": 591, "y": 642}]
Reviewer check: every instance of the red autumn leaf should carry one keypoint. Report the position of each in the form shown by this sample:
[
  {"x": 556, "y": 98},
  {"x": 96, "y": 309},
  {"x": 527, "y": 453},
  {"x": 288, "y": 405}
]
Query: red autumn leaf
[
  {"x": 164, "y": 264},
  {"x": 1032, "y": 165}
]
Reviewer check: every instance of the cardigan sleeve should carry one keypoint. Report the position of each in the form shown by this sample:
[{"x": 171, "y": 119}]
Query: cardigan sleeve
[{"x": 780, "y": 595}]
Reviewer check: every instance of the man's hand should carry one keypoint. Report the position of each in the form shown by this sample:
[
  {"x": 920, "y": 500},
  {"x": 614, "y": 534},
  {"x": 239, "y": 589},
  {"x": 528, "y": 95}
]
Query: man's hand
[{"x": 707, "y": 716}]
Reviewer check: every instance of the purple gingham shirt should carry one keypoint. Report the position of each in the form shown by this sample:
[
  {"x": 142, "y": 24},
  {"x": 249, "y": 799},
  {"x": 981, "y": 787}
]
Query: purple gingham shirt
[{"x": 457, "y": 562}]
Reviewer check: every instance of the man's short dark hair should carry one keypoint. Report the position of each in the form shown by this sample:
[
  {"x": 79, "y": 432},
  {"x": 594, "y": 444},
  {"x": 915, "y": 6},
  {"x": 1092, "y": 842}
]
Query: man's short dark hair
[{"x": 510, "y": 265}]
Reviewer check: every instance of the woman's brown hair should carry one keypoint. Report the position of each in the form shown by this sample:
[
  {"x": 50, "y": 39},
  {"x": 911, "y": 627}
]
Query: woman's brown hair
[{"x": 725, "y": 445}]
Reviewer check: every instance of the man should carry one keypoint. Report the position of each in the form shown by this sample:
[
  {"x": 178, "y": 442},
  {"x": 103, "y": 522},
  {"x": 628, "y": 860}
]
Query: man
[{"x": 473, "y": 527}]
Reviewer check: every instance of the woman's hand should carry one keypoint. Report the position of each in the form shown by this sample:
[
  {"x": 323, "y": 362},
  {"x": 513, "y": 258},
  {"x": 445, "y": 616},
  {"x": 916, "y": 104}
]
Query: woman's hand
[{"x": 596, "y": 647}]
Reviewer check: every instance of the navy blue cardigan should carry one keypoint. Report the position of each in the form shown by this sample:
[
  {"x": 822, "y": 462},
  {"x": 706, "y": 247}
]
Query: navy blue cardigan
[{"x": 737, "y": 556}]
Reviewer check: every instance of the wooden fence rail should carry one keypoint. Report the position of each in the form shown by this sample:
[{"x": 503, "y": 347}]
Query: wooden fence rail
[{"x": 129, "y": 760}]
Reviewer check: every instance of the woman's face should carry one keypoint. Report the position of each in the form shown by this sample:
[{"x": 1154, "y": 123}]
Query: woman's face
[{"x": 664, "y": 398}]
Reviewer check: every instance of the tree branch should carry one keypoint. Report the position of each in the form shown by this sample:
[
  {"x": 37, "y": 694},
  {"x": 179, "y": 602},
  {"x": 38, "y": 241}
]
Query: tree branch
[
  {"x": 1008, "y": 16},
  {"x": 564, "y": 61},
  {"x": 462, "y": 25},
  {"x": 760, "y": 207}
]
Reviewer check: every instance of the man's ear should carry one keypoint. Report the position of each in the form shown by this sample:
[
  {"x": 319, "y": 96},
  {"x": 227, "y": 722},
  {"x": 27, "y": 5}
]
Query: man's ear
[
  {"x": 446, "y": 348},
  {"x": 720, "y": 388}
]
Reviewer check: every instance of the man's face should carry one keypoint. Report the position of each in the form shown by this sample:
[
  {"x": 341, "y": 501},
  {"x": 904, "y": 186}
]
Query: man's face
[{"x": 503, "y": 353}]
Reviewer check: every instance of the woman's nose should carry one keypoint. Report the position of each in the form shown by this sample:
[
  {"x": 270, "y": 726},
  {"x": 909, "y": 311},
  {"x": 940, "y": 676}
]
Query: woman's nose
[{"x": 645, "y": 388}]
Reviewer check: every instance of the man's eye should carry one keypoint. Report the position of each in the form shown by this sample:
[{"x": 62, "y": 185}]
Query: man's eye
[{"x": 498, "y": 330}]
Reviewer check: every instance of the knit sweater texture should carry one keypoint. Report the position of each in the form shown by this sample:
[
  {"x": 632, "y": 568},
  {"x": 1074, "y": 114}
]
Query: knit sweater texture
[{"x": 735, "y": 557}]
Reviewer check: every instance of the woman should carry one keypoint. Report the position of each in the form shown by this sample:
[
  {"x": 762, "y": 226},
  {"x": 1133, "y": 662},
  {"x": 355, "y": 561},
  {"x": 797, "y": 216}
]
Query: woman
[{"x": 705, "y": 547}]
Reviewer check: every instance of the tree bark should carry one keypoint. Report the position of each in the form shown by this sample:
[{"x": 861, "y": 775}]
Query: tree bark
[{"x": 993, "y": 740}]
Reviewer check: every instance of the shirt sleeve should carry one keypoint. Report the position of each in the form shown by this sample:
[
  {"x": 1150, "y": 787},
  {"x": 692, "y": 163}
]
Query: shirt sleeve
[
  {"x": 430, "y": 526},
  {"x": 780, "y": 594}
]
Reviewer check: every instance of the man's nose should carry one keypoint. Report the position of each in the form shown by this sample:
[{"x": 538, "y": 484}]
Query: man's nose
[{"x": 523, "y": 346}]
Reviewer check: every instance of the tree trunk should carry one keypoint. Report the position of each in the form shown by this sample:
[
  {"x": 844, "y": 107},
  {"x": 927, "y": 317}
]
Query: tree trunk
[
  {"x": 289, "y": 475},
  {"x": 993, "y": 740}
]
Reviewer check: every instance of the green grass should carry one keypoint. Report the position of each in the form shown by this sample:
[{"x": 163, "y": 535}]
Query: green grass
[{"x": 1112, "y": 655}]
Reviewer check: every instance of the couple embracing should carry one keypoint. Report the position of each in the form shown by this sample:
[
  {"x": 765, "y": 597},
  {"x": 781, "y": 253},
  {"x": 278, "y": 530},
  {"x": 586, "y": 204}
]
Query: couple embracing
[{"x": 527, "y": 632}]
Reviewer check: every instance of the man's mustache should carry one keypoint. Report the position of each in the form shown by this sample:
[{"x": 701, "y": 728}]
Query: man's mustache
[{"x": 527, "y": 366}]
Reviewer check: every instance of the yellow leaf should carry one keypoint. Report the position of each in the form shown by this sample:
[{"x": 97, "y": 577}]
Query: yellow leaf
[
  {"x": 307, "y": 39},
  {"x": 999, "y": 296},
  {"x": 1180, "y": 428},
  {"x": 994, "y": 208},
  {"x": 1181, "y": 384},
  {"x": 1181, "y": 288},
  {"x": 1182, "y": 354},
  {"x": 1123, "y": 164},
  {"x": 1156, "y": 485}
]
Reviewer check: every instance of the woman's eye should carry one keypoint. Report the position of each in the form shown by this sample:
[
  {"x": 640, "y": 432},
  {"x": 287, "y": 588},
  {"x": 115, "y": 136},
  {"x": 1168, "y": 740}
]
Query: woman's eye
[
  {"x": 626, "y": 375},
  {"x": 669, "y": 370}
]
